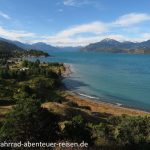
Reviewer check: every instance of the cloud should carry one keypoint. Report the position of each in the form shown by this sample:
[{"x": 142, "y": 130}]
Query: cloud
[
  {"x": 131, "y": 19},
  {"x": 69, "y": 2},
  {"x": 15, "y": 35},
  {"x": 78, "y": 3},
  {"x": 145, "y": 36},
  {"x": 5, "y": 15},
  {"x": 78, "y": 41},
  {"x": 121, "y": 29},
  {"x": 94, "y": 27},
  {"x": 95, "y": 31},
  {"x": 74, "y": 36}
]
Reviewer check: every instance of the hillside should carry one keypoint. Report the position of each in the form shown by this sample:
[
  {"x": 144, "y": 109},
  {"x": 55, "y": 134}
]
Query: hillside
[
  {"x": 113, "y": 46},
  {"x": 5, "y": 46},
  {"x": 34, "y": 107},
  {"x": 8, "y": 50},
  {"x": 41, "y": 46}
]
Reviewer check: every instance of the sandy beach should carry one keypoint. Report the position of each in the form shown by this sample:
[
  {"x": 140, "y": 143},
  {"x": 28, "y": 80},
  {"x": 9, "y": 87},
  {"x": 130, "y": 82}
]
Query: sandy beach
[
  {"x": 103, "y": 107},
  {"x": 99, "y": 105}
]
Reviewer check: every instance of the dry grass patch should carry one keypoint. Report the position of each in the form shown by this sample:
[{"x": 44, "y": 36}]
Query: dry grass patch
[
  {"x": 4, "y": 110},
  {"x": 102, "y": 107}
]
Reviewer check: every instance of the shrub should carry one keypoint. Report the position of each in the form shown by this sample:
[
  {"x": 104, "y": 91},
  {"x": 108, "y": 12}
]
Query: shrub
[
  {"x": 29, "y": 122},
  {"x": 77, "y": 130}
]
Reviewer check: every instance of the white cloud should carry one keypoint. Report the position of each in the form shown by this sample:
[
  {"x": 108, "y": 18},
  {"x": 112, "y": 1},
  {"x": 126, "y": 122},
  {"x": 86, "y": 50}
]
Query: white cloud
[
  {"x": 84, "y": 34},
  {"x": 96, "y": 31},
  {"x": 77, "y": 3},
  {"x": 74, "y": 36},
  {"x": 69, "y": 2},
  {"x": 131, "y": 19},
  {"x": 15, "y": 35},
  {"x": 5, "y": 15},
  {"x": 78, "y": 41},
  {"x": 145, "y": 36},
  {"x": 94, "y": 27}
]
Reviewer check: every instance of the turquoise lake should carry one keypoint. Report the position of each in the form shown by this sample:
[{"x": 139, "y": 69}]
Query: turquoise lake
[{"x": 122, "y": 79}]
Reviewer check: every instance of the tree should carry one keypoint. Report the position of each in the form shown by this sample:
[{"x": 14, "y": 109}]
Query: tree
[
  {"x": 30, "y": 122},
  {"x": 25, "y": 63},
  {"x": 134, "y": 130},
  {"x": 37, "y": 63},
  {"x": 76, "y": 130}
]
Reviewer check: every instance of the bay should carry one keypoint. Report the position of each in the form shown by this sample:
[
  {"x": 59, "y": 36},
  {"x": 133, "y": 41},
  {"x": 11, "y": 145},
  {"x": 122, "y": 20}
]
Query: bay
[{"x": 122, "y": 79}]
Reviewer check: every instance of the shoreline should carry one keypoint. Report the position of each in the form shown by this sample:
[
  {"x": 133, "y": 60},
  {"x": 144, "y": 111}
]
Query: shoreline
[
  {"x": 104, "y": 107},
  {"x": 99, "y": 105}
]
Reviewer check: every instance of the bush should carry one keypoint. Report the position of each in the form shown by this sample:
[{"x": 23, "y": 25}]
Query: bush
[
  {"x": 77, "y": 131},
  {"x": 29, "y": 122},
  {"x": 124, "y": 131},
  {"x": 72, "y": 104}
]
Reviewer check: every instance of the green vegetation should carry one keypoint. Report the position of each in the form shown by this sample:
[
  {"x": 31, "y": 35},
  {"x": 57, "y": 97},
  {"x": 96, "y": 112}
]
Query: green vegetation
[
  {"x": 33, "y": 109},
  {"x": 32, "y": 52},
  {"x": 8, "y": 50},
  {"x": 123, "y": 132},
  {"x": 77, "y": 130},
  {"x": 29, "y": 122},
  {"x": 29, "y": 79}
]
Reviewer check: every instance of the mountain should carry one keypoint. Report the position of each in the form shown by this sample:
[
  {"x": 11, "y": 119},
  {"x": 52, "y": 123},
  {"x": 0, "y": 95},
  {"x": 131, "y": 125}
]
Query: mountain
[
  {"x": 17, "y": 43},
  {"x": 113, "y": 46},
  {"x": 42, "y": 46},
  {"x": 22, "y": 45},
  {"x": 110, "y": 42},
  {"x": 8, "y": 47},
  {"x": 128, "y": 45},
  {"x": 69, "y": 48},
  {"x": 9, "y": 50},
  {"x": 145, "y": 44},
  {"x": 106, "y": 45},
  {"x": 50, "y": 48}
]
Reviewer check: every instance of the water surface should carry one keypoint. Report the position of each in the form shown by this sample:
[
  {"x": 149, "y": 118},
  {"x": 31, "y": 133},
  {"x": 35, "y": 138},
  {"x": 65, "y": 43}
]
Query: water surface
[{"x": 115, "y": 78}]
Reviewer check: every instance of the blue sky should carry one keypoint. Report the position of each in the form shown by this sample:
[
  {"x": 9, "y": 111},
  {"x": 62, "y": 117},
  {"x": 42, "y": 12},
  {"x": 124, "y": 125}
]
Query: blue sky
[{"x": 74, "y": 22}]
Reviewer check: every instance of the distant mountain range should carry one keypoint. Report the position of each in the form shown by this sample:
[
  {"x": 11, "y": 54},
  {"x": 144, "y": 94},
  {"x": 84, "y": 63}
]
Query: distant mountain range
[
  {"x": 41, "y": 46},
  {"x": 106, "y": 45},
  {"x": 10, "y": 50},
  {"x": 113, "y": 46},
  {"x": 9, "y": 47}
]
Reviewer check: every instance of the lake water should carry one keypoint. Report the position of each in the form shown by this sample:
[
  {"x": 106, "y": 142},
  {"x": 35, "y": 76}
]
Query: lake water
[{"x": 123, "y": 79}]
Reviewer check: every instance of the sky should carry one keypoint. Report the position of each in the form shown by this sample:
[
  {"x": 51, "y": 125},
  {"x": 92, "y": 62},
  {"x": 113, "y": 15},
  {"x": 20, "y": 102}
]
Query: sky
[{"x": 74, "y": 22}]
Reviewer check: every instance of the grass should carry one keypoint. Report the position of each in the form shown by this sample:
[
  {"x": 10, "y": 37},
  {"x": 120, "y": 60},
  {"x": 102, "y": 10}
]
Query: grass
[
  {"x": 101, "y": 107},
  {"x": 3, "y": 111},
  {"x": 68, "y": 112}
]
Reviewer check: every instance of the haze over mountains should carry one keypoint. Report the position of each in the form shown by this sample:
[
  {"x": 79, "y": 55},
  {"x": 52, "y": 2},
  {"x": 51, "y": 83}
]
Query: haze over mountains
[
  {"x": 110, "y": 45},
  {"x": 41, "y": 46},
  {"x": 106, "y": 45}
]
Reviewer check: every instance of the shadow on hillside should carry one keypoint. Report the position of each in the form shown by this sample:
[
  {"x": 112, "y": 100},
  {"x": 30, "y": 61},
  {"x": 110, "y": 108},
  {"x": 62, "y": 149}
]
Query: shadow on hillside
[{"x": 7, "y": 102}]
